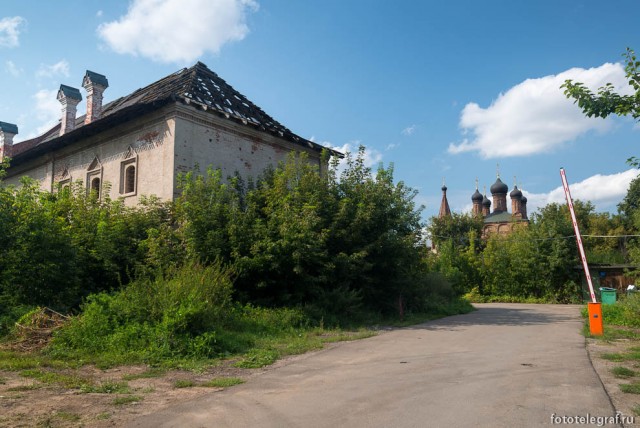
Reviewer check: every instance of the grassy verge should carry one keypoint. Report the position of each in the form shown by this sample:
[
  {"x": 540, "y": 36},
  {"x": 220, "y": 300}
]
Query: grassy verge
[
  {"x": 255, "y": 337},
  {"x": 622, "y": 322}
]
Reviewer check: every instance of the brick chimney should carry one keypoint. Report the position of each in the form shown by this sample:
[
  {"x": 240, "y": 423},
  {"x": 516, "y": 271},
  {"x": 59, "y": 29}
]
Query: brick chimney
[
  {"x": 69, "y": 98},
  {"x": 95, "y": 84},
  {"x": 7, "y": 132}
]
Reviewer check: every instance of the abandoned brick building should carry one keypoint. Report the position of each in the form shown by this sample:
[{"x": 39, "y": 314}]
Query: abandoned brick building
[
  {"x": 499, "y": 220},
  {"x": 141, "y": 142}
]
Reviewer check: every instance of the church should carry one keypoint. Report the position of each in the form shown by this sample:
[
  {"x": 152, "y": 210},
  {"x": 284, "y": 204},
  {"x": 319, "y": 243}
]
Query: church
[
  {"x": 499, "y": 220},
  {"x": 140, "y": 143}
]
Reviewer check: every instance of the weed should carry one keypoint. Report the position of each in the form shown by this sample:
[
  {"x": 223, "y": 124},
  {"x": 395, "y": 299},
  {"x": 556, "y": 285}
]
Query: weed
[
  {"x": 346, "y": 336},
  {"x": 223, "y": 382},
  {"x": 630, "y": 388},
  {"x": 108, "y": 388},
  {"x": 48, "y": 377},
  {"x": 12, "y": 361},
  {"x": 623, "y": 372},
  {"x": 103, "y": 416},
  {"x": 257, "y": 358},
  {"x": 636, "y": 410},
  {"x": 15, "y": 361},
  {"x": 67, "y": 416},
  {"x": 148, "y": 390},
  {"x": 126, "y": 399},
  {"x": 150, "y": 373},
  {"x": 617, "y": 357},
  {"x": 30, "y": 387},
  {"x": 184, "y": 383},
  {"x": 3, "y": 380},
  {"x": 298, "y": 345}
]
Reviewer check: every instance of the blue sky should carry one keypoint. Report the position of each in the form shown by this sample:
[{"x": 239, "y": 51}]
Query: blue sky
[{"x": 439, "y": 89}]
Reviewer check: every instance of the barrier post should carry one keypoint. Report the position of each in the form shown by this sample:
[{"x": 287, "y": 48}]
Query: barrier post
[{"x": 595, "y": 309}]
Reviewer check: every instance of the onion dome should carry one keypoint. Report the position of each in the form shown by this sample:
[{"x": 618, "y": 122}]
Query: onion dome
[
  {"x": 524, "y": 199},
  {"x": 515, "y": 193},
  {"x": 498, "y": 187},
  {"x": 486, "y": 201},
  {"x": 476, "y": 197},
  {"x": 444, "y": 188}
]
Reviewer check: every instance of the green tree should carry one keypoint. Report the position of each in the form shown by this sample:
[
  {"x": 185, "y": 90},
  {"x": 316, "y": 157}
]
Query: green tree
[
  {"x": 455, "y": 229},
  {"x": 631, "y": 202},
  {"x": 606, "y": 101},
  {"x": 456, "y": 239}
]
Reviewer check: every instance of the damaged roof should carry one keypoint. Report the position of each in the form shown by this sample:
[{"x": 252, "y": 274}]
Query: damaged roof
[{"x": 197, "y": 85}]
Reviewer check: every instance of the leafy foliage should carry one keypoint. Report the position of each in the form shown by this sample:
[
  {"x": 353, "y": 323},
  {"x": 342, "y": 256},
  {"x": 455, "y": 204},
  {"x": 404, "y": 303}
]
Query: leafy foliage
[
  {"x": 607, "y": 101},
  {"x": 150, "y": 320},
  {"x": 338, "y": 247},
  {"x": 226, "y": 265},
  {"x": 534, "y": 263}
]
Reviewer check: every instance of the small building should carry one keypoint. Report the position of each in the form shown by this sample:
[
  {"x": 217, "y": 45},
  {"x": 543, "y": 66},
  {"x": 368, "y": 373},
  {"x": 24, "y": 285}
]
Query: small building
[
  {"x": 617, "y": 276},
  {"x": 141, "y": 142}
]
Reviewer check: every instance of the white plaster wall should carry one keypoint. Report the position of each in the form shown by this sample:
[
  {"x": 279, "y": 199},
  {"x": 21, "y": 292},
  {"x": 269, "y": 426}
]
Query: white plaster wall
[
  {"x": 151, "y": 140},
  {"x": 40, "y": 171},
  {"x": 205, "y": 139}
]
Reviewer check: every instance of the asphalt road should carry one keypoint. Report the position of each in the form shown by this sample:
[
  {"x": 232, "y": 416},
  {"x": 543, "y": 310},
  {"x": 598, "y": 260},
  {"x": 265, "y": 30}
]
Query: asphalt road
[{"x": 505, "y": 365}]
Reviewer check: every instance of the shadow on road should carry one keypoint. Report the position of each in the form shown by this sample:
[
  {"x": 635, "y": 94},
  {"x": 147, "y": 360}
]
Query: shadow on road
[{"x": 502, "y": 316}]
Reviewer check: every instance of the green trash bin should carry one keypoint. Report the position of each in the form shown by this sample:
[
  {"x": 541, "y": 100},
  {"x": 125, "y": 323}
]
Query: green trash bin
[{"x": 608, "y": 295}]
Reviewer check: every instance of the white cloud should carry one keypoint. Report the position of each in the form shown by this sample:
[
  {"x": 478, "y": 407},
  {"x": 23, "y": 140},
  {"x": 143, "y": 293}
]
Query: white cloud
[
  {"x": 61, "y": 68},
  {"x": 604, "y": 191},
  {"x": 534, "y": 116},
  {"x": 177, "y": 30},
  {"x": 409, "y": 130},
  {"x": 11, "y": 68},
  {"x": 48, "y": 110},
  {"x": 10, "y": 31}
]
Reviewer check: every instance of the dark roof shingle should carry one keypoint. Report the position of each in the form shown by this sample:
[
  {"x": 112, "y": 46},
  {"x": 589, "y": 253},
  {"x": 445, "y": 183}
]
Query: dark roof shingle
[{"x": 197, "y": 85}]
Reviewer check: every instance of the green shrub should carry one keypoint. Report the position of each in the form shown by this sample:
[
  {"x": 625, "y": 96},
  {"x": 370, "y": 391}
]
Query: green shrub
[
  {"x": 153, "y": 319},
  {"x": 625, "y": 312}
]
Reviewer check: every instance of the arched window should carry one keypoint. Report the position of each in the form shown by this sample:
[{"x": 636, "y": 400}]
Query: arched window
[
  {"x": 130, "y": 179},
  {"x": 95, "y": 185},
  {"x": 94, "y": 177}
]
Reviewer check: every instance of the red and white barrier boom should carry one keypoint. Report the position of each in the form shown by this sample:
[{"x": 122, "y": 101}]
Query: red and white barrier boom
[
  {"x": 583, "y": 257},
  {"x": 595, "y": 309}
]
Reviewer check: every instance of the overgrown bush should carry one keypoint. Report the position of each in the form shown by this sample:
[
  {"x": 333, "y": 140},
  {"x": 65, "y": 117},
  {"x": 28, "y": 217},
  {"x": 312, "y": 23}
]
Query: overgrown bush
[
  {"x": 173, "y": 316},
  {"x": 625, "y": 312},
  {"x": 337, "y": 246}
]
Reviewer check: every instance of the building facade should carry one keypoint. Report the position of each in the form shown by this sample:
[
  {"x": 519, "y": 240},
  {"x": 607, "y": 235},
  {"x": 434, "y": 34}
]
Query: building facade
[
  {"x": 140, "y": 143},
  {"x": 499, "y": 220}
]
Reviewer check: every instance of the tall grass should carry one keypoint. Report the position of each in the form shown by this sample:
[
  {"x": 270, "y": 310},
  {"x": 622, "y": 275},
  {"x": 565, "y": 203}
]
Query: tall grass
[{"x": 149, "y": 320}]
